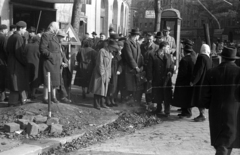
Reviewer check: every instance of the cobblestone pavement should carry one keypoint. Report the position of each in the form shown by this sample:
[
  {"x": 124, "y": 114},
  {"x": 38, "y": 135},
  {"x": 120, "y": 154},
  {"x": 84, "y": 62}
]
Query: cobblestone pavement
[{"x": 173, "y": 137}]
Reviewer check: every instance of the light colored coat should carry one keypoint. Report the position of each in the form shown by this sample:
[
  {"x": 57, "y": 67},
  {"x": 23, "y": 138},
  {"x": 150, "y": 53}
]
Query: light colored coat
[{"x": 101, "y": 73}]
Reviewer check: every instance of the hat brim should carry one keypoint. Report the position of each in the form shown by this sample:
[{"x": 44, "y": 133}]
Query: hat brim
[
  {"x": 135, "y": 33},
  {"x": 165, "y": 30},
  {"x": 158, "y": 36},
  {"x": 116, "y": 47},
  {"x": 231, "y": 58}
]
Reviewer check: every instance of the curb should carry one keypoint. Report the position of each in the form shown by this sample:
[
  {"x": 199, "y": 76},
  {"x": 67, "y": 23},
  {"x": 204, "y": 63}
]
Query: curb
[{"x": 38, "y": 147}]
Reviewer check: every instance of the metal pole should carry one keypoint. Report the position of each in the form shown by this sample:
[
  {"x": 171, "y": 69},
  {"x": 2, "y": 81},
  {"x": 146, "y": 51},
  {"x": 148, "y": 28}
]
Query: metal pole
[
  {"x": 39, "y": 20},
  {"x": 69, "y": 65},
  {"x": 207, "y": 34},
  {"x": 49, "y": 94}
]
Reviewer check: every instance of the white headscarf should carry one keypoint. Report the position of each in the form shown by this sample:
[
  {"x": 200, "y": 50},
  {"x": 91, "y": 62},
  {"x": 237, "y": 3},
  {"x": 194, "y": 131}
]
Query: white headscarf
[{"x": 205, "y": 49}]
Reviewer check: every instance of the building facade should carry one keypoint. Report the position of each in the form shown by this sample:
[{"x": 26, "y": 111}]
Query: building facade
[
  {"x": 193, "y": 17},
  {"x": 96, "y": 15}
]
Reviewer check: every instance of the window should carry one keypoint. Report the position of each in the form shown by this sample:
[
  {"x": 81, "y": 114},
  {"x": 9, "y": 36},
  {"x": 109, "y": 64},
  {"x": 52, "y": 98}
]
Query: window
[
  {"x": 140, "y": 25},
  {"x": 145, "y": 24},
  {"x": 89, "y": 2},
  {"x": 195, "y": 23},
  {"x": 188, "y": 23},
  {"x": 150, "y": 24},
  {"x": 202, "y": 21}
]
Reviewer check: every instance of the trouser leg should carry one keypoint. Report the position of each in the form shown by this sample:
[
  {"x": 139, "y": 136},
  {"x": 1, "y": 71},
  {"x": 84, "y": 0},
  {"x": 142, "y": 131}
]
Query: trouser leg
[
  {"x": 222, "y": 150},
  {"x": 63, "y": 92},
  {"x": 187, "y": 111},
  {"x": 201, "y": 111},
  {"x": 13, "y": 98}
]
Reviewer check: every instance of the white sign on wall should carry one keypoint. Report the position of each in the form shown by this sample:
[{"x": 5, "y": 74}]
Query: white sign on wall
[{"x": 149, "y": 14}]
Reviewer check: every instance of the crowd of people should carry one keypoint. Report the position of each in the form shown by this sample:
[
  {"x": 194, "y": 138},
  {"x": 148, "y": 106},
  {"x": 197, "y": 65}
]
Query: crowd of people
[{"x": 129, "y": 66}]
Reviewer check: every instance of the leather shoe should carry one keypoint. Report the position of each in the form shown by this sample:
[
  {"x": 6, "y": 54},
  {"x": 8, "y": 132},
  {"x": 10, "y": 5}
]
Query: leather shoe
[
  {"x": 104, "y": 106},
  {"x": 200, "y": 118},
  {"x": 65, "y": 100},
  {"x": 184, "y": 115},
  {"x": 54, "y": 100}
]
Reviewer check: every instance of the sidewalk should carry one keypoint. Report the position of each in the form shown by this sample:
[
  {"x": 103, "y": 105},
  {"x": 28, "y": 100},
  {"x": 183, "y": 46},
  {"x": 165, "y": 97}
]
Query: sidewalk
[{"x": 173, "y": 137}]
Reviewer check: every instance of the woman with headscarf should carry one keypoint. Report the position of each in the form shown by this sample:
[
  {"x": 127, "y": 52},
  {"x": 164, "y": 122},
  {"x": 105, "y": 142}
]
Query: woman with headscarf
[
  {"x": 102, "y": 74},
  {"x": 203, "y": 64}
]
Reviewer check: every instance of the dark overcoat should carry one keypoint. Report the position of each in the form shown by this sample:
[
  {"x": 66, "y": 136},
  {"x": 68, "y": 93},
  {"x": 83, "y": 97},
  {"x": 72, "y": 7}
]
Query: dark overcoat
[
  {"x": 183, "y": 90},
  {"x": 51, "y": 54},
  {"x": 101, "y": 73},
  {"x": 131, "y": 54},
  {"x": 158, "y": 67},
  {"x": 112, "y": 87},
  {"x": 3, "y": 62},
  {"x": 86, "y": 61},
  {"x": 221, "y": 96},
  {"x": 33, "y": 56},
  {"x": 17, "y": 63},
  {"x": 203, "y": 64},
  {"x": 146, "y": 50}
]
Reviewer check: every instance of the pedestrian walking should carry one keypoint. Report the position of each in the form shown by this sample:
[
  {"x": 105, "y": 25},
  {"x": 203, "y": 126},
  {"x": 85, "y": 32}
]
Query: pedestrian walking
[
  {"x": 183, "y": 90},
  {"x": 85, "y": 58},
  {"x": 17, "y": 66},
  {"x": 220, "y": 95},
  {"x": 33, "y": 58},
  {"x": 159, "y": 72},
  {"x": 102, "y": 74},
  {"x": 50, "y": 51},
  {"x": 203, "y": 64},
  {"x": 3, "y": 61}
]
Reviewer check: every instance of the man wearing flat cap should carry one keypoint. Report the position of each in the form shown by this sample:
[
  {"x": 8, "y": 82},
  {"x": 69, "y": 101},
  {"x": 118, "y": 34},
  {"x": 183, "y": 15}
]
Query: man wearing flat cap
[
  {"x": 95, "y": 40},
  {"x": 17, "y": 66},
  {"x": 3, "y": 61},
  {"x": 220, "y": 95}
]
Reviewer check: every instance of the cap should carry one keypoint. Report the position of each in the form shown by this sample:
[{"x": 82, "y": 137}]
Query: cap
[{"x": 21, "y": 24}]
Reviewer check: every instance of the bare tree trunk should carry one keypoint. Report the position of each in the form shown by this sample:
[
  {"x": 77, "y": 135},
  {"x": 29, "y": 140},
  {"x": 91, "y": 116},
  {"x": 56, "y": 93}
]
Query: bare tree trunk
[
  {"x": 158, "y": 11},
  {"x": 76, "y": 14}
]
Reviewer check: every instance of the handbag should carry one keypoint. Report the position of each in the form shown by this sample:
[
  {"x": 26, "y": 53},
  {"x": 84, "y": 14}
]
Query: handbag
[{"x": 141, "y": 77}]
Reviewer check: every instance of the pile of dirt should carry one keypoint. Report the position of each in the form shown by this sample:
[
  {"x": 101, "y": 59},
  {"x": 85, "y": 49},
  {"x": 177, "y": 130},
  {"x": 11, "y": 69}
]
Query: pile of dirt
[
  {"x": 74, "y": 118},
  {"x": 127, "y": 123}
]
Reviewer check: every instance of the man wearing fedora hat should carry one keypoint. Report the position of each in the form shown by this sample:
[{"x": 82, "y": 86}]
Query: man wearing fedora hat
[
  {"x": 166, "y": 37},
  {"x": 132, "y": 62},
  {"x": 183, "y": 90},
  {"x": 158, "y": 38},
  {"x": 3, "y": 61},
  {"x": 220, "y": 95}
]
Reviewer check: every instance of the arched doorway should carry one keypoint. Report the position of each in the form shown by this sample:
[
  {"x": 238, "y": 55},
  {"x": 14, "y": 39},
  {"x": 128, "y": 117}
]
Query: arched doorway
[
  {"x": 115, "y": 15},
  {"x": 104, "y": 16},
  {"x": 121, "y": 20}
]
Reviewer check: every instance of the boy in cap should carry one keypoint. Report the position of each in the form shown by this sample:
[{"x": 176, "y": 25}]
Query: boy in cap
[{"x": 17, "y": 66}]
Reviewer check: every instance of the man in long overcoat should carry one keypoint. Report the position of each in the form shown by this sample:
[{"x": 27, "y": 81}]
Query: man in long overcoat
[
  {"x": 220, "y": 95},
  {"x": 183, "y": 90},
  {"x": 160, "y": 69},
  {"x": 3, "y": 61},
  {"x": 33, "y": 57},
  {"x": 132, "y": 62},
  {"x": 17, "y": 66},
  {"x": 146, "y": 49},
  {"x": 51, "y": 54}
]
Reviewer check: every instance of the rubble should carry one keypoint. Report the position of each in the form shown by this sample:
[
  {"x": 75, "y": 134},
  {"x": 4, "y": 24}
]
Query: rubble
[
  {"x": 32, "y": 129},
  {"x": 127, "y": 123},
  {"x": 11, "y": 127}
]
